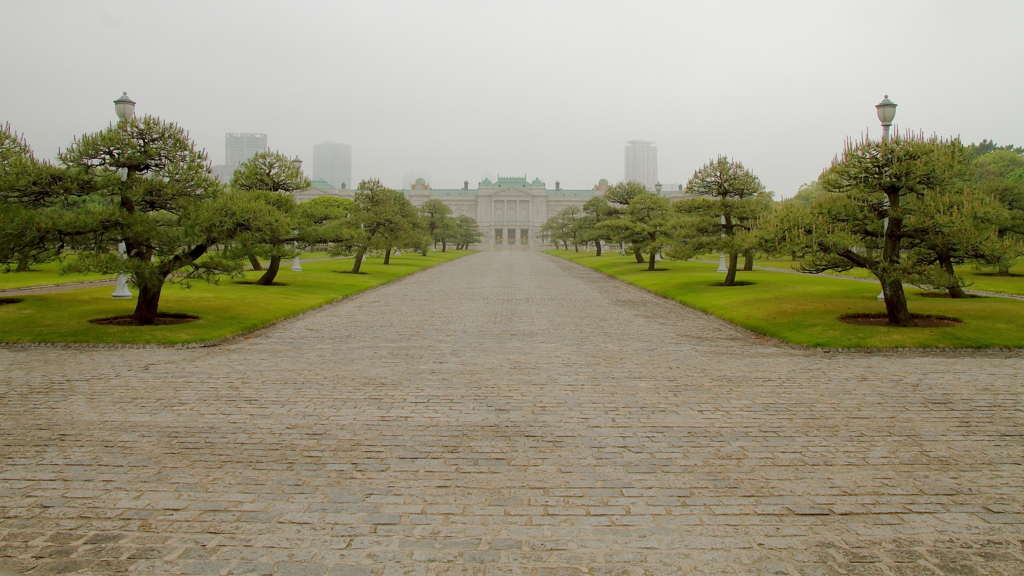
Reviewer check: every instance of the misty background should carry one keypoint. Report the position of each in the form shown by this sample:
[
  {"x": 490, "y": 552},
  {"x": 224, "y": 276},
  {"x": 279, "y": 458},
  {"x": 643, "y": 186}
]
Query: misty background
[{"x": 456, "y": 91}]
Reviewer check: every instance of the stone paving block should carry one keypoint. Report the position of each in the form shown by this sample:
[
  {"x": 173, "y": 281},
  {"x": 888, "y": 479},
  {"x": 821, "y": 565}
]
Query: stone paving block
[{"x": 509, "y": 413}]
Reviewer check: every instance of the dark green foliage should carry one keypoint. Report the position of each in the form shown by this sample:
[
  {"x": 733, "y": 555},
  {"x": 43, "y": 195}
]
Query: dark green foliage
[
  {"x": 143, "y": 182},
  {"x": 725, "y": 224}
]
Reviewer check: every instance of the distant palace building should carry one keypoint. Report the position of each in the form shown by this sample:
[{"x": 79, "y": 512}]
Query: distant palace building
[{"x": 509, "y": 211}]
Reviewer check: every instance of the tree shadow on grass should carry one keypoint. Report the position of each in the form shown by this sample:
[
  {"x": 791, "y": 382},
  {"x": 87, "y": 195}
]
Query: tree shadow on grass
[
  {"x": 737, "y": 283},
  {"x": 881, "y": 319},
  {"x": 162, "y": 319},
  {"x": 253, "y": 283},
  {"x": 10, "y": 300},
  {"x": 349, "y": 272},
  {"x": 946, "y": 295}
]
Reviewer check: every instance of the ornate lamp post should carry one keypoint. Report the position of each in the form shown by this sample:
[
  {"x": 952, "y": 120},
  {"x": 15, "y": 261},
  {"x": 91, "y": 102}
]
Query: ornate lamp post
[
  {"x": 886, "y": 110},
  {"x": 296, "y": 266},
  {"x": 125, "y": 108}
]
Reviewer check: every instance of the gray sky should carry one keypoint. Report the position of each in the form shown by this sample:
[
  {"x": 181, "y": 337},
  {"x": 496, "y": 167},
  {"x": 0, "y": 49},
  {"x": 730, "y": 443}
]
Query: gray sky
[{"x": 463, "y": 90}]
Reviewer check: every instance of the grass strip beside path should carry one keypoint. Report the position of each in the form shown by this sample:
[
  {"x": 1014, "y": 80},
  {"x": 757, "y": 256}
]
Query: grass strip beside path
[
  {"x": 975, "y": 280},
  {"x": 803, "y": 309},
  {"x": 225, "y": 309},
  {"x": 44, "y": 275}
]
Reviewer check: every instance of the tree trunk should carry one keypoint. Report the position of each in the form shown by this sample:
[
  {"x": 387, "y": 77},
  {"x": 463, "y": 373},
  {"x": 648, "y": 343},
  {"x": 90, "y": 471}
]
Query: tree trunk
[
  {"x": 357, "y": 262},
  {"x": 1003, "y": 270},
  {"x": 896, "y": 302},
  {"x": 146, "y": 306},
  {"x": 953, "y": 287},
  {"x": 651, "y": 261},
  {"x": 444, "y": 245},
  {"x": 254, "y": 261},
  {"x": 268, "y": 277},
  {"x": 577, "y": 247},
  {"x": 639, "y": 257},
  {"x": 730, "y": 276},
  {"x": 23, "y": 264},
  {"x": 387, "y": 256},
  {"x": 748, "y": 262},
  {"x": 598, "y": 245}
]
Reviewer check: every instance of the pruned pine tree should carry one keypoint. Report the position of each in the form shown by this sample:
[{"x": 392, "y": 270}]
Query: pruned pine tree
[
  {"x": 29, "y": 214},
  {"x": 468, "y": 231},
  {"x": 276, "y": 177},
  {"x": 143, "y": 182},
  {"x": 908, "y": 194},
  {"x": 381, "y": 218},
  {"x": 740, "y": 199},
  {"x": 438, "y": 222},
  {"x": 648, "y": 221},
  {"x": 596, "y": 211}
]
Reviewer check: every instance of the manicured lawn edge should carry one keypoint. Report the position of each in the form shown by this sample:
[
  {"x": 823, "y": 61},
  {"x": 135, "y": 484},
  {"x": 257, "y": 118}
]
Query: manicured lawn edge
[
  {"x": 756, "y": 335},
  {"x": 246, "y": 334}
]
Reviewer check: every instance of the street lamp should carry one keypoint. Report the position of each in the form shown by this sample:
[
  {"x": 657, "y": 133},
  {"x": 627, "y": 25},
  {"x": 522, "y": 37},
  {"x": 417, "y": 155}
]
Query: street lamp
[
  {"x": 124, "y": 107},
  {"x": 296, "y": 266},
  {"x": 886, "y": 110}
]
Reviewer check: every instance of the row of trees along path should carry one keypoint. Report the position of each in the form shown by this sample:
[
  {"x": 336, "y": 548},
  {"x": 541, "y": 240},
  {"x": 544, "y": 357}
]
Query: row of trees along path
[
  {"x": 908, "y": 210},
  {"x": 143, "y": 182}
]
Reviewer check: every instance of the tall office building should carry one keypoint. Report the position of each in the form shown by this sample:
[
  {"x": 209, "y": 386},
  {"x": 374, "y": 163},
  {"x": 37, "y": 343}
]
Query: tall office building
[
  {"x": 332, "y": 162},
  {"x": 240, "y": 146},
  {"x": 642, "y": 163}
]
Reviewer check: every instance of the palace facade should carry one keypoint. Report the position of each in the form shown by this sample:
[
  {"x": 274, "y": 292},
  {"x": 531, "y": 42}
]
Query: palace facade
[{"x": 510, "y": 211}]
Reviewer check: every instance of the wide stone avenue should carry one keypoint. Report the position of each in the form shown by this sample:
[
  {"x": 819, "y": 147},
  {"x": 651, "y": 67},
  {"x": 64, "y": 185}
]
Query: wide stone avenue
[{"x": 510, "y": 413}]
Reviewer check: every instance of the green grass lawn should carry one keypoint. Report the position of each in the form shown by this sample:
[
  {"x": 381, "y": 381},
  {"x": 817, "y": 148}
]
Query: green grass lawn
[
  {"x": 976, "y": 280},
  {"x": 224, "y": 309},
  {"x": 49, "y": 273},
  {"x": 44, "y": 275},
  {"x": 803, "y": 309}
]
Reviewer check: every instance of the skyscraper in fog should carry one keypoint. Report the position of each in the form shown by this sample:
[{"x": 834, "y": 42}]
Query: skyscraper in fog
[
  {"x": 332, "y": 162},
  {"x": 240, "y": 146},
  {"x": 642, "y": 163}
]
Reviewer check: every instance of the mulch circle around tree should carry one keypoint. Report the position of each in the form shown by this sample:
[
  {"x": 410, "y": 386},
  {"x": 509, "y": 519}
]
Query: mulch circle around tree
[
  {"x": 162, "y": 319},
  {"x": 253, "y": 283},
  {"x": 10, "y": 300},
  {"x": 946, "y": 295},
  {"x": 922, "y": 320},
  {"x": 737, "y": 283}
]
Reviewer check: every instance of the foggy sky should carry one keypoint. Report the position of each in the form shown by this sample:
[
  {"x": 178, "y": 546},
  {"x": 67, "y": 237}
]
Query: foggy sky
[{"x": 552, "y": 89}]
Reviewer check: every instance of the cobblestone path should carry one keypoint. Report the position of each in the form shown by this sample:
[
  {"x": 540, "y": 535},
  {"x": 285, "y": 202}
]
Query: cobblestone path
[{"x": 509, "y": 413}]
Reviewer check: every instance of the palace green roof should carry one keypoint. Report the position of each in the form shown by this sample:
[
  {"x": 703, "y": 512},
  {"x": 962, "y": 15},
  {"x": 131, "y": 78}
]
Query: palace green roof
[{"x": 571, "y": 192}]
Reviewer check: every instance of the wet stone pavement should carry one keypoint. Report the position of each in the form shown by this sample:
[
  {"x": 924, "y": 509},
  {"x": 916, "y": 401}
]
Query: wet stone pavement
[{"x": 509, "y": 413}]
